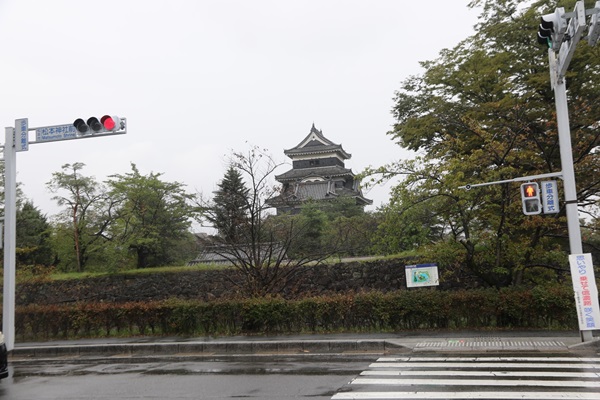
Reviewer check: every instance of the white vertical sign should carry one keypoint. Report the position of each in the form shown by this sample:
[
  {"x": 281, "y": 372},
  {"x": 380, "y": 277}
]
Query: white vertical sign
[
  {"x": 550, "y": 197},
  {"x": 21, "y": 134},
  {"x": 586, "y": 292}
]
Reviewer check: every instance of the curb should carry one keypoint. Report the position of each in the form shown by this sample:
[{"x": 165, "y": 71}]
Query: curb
[
  {"x": 350, "y": 347},
  {"x": 212, "y": 348},
  {"x": 593, "y": 344}
]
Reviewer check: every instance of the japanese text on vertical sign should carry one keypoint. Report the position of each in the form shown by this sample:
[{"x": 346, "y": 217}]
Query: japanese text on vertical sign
[
  {"x": 550, "y": 197},
  {"x": 24, "y": 132},
  {"x": 21, "y": 135},
  {"x": 586, "y": 292}
]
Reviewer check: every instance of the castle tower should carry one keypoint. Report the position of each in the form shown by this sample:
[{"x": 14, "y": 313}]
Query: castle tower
[{"x": 318, "y": 173}]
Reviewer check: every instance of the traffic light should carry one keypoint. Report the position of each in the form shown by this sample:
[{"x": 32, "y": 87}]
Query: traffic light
[
  {"x": 594, "y": 31},
  {"x": 551, "y": 31},
  {"x": 106, "y": 124},
  {"x": 530, "y": 197},
  {"x": 111, "y": 123}
]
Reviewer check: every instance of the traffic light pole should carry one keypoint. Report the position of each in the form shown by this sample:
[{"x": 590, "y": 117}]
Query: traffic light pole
[
  {"x": 10, "y": 234},
  {"x": 562, "y": 41},
  {"x": 561, "y": 32},
  {"x": 16, "y": 140},
  {"x": 568, "y": 170},
  {"x": 566, "y": 160}
]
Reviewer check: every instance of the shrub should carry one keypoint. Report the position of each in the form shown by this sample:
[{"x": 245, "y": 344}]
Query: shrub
[{"x": 547, "y": 307}]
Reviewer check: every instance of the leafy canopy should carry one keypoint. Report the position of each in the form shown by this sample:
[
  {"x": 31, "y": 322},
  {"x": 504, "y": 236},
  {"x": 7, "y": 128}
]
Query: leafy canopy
[{"x": 482, "y": 112}]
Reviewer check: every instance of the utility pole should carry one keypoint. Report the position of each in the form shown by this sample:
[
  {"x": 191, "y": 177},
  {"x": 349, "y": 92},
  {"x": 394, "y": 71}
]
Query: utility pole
[
  {"x": 10, "y": 236},
  {"x": 562, "y": 39},
  {"x": 17, "y": 140}
]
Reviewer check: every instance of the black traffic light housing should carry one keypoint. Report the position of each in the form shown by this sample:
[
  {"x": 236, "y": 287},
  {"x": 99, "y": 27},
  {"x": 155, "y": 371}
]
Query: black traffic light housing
[
  {"x": 551, "y": 31},
  {"x": 93, "y": 125}
]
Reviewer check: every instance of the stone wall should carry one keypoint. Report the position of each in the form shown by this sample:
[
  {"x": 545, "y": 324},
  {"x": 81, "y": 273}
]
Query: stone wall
[{"x": 386, "y": 275}]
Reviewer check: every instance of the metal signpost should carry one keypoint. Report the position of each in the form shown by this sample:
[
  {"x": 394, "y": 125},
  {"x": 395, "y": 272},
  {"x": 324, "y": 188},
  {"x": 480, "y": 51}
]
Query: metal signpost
[
  {"x": 562, "y": 38},
  {"x": 16, "y": 140},
  {"x": 10, "y": 233},
  {"x": 559, "y": 60}
]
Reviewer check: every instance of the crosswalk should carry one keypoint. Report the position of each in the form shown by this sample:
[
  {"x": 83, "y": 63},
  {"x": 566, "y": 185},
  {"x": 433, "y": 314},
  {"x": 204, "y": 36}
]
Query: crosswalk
[{"x": 488, "y": 377}]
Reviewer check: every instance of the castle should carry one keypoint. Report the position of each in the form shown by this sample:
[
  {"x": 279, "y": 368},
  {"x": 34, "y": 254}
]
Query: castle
[{"x": 318, "y": 173}]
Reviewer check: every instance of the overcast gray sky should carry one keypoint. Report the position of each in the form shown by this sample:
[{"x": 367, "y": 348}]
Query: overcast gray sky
[{"x": 197, "y": 79}]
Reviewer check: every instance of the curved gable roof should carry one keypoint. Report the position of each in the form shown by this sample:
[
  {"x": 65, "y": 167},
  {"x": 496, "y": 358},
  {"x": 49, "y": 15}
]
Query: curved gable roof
[
  {"x": 315, "y": 143},
  {"x": 295, "y": 174}
]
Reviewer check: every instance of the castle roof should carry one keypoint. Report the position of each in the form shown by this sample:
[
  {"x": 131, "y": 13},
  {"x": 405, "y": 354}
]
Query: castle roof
[
  {"x": 323, "y": 190},
  {"x": 316, "y": 143},
  {"x": 329, "y": 172}
]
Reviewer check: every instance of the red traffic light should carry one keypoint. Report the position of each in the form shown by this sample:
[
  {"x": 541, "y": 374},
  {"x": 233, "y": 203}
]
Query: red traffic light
[
  {"x": 106, "y": 124},
  {"x": 111, "y": 123}
]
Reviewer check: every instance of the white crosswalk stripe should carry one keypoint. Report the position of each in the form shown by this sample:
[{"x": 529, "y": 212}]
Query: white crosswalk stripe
[{"x": 455, "y": 378}]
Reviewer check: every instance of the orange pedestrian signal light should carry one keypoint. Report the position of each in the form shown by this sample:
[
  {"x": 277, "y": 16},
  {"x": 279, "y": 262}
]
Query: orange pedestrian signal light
[
  {"x": 530, "y": 190},
  {"x": 530, "y": 198}
]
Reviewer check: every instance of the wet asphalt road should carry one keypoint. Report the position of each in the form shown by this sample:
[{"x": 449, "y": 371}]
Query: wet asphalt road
[
  {"x": 214, "y": 380},
  {"x": 303, "y": 372}
]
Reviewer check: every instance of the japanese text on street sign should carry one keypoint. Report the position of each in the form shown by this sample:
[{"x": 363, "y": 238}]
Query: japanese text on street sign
[
  {"x": 586, "y": 292},
  {"x": 57, "y": 132},
  {"x": 422, "y": 275},
  {"x": 550, "y": 197},
  {"x": 21, "y": 135}
]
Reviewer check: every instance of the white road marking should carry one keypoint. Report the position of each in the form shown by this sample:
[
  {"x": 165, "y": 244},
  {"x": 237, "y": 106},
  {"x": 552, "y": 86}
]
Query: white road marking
[
  {"x": 554, "y": 378},
  {"x": 490, "y": 359},
  {"x": 474, "y": 382},
  {"x": 447, "y": 365},
  {"x": 465, "y": 396},
  {"x": 528, "y": 374}
]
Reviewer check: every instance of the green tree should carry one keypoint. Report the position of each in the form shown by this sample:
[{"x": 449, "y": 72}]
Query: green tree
[
  {"x": 483, "y": 112},
  {"x": 311, "y": 239},
  {"x": 403, "y": 226},
  {"x": 229, "y": 210},
  {"x": 265, "y": 250},
  {"x": 338, "y": 226},
  {"x": 152, "y": 217},
  {"x": 87, "y": 212},
  {"x": 33, "y": 246},
  {"x": 33, "y": 231},
  {"x": 353, "y": 235}
]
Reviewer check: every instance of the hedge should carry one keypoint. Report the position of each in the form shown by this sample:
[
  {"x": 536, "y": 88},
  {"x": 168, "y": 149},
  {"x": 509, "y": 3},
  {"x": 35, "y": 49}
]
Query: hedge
[{"x": 548, "y": 307}]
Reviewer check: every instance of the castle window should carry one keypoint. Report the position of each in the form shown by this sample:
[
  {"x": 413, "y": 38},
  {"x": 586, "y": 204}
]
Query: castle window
[{"x": 313, "y": 179}]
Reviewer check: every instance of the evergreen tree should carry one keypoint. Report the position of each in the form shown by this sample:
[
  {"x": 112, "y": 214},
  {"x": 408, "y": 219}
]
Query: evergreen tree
[
  {"x": 33, "y": 237},
  {"x": 229, "y": 212}
]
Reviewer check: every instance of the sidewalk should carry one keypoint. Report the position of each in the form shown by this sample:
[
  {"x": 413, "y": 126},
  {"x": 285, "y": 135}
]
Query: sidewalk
[{"x": 347, "y": 344}]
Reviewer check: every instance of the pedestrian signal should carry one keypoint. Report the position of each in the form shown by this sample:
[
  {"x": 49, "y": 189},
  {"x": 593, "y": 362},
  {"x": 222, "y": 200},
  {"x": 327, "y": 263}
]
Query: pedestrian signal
[{"x": 530, "y": 197}]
